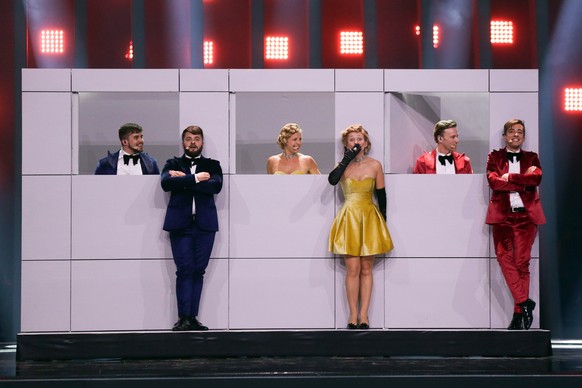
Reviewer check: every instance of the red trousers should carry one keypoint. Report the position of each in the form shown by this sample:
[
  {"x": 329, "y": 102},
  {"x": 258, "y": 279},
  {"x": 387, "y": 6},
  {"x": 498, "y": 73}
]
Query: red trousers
[{"x": 513, "y": 239}]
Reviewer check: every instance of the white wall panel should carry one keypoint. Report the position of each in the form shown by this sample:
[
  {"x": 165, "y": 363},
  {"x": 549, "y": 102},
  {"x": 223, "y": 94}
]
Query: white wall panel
[
  {"x": 271, "y": 266},
  {"x": 282, "y": 293},
  {"x": 140, "y": 295},
  {"x": 376, "y": 311},
  {"x": 46, "y": 217},
  {"x": 119, "y": 217},
  {"x": 506, "y": 106},
  {"x": 203, "y": 80},
  {"x": 123, "y": 295},
  {"x": 513, "y": 80},
  {"x": 361, "y": 108},
  {"x": 46, "y": 133},
  {"x": 125, "y": 80},
  {"x": 437, "y": 80},
  {"x": 46, "y": 296},
  {"x": 502, "y": 301},
  {"x": 210, "y": 112},
  {"x": 46, "y": 80},
  {"x": 438, "y": 215},
  {"x": 437, "y": 293},
  {"x": 359, "y": 80},
  {"x": 222, "y": 239},
  {"x": 278, "y": 216},
  {"x": 287, "y": 80}
]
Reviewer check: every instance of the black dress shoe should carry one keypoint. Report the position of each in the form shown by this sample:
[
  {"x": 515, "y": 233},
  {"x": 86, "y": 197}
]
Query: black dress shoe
[
  {"x": 516, "y": 322},
  {"x": 196, "y": 326},
  {"x": 363, "y": 326},
  {"x": 183, "y": 324},
  {"x": 352, "y": 326},
  {"x": 527, "y": 309}
]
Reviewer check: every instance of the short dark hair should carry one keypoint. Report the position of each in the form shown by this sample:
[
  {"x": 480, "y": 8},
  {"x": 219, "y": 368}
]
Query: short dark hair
[
  {"x": 511, "y": 123},
  {"x": 129, "y": 128},
  {"x": 441, "y": 126},
  {"x": 194, "y": 130}
]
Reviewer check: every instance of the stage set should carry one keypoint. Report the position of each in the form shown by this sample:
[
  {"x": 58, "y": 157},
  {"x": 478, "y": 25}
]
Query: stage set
[{"x": 97, "y": 270}]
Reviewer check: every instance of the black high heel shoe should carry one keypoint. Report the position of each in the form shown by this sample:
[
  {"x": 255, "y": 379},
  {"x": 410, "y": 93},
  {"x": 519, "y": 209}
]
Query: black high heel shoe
[
  {"x": 363, "y": 326},
  {"x": 352, "y": 326}
]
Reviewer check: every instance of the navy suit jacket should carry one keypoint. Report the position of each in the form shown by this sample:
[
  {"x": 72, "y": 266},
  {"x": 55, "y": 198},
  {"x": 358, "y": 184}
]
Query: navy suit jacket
[
  {"x": 184, "y": 189},
  {"x": 108, "y": 164}
]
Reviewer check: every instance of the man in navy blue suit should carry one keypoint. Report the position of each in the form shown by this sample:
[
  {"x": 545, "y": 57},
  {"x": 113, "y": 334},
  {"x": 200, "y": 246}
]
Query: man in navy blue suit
[
  {"x": 130, "y": 159},
  {"x": 192, "y": 221}
]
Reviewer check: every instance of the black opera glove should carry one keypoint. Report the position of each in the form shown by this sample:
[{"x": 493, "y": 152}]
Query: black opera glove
[
  {"x": 335, "y": 176},
  {"x": 381, "y": 196}
]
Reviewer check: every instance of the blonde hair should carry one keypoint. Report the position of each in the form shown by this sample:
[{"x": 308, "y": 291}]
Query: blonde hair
[
  {"x": 358, "y": 128},
  {"x": 440, "y": 128},
  {"x": 286, "y": 132}
]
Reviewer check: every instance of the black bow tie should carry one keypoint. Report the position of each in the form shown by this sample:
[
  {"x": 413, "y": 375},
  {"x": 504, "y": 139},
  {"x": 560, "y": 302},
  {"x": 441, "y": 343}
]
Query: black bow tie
[
  {"x": 193, "y": 162},
  {"x": 448, "y": 157},
  {"x": 514, "y": 155},
  {"x": 127, "y": 158}
]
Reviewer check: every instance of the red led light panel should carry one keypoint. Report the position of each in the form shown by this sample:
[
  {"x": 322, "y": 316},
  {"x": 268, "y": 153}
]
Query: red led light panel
[
  {"x": 573, "y": 99},
  {"x": 276, "y": 48},
  {"x": 501, "y": 32},
  {"x": 52, "y": 42}
]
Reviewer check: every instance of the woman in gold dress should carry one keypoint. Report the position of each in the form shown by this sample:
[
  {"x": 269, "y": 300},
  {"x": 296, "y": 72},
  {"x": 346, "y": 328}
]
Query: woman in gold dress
[
  {"x": 359, "y": 230},
  {"x": 291, "y": 161}
]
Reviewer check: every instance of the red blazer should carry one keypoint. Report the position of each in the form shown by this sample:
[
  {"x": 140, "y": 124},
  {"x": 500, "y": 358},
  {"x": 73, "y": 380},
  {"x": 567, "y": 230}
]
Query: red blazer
[
  {"x": 524, "y": 184},
  {"x": 426, "y": 164}
]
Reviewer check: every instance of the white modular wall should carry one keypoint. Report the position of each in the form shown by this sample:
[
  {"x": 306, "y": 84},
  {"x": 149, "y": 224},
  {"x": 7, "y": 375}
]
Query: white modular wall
[{"x": 94, "y": 255}]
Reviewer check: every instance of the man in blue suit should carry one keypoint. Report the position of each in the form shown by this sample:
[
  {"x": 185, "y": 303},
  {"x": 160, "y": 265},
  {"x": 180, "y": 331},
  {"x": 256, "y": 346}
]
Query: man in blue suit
[
  {"x": 192, "y": 221},
  {"x": 130, "y": 159}
]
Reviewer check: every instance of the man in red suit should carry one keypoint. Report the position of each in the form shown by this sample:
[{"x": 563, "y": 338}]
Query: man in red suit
[
  {"x": 449, "y": 162},
  {"x": 515, "y": 212}
]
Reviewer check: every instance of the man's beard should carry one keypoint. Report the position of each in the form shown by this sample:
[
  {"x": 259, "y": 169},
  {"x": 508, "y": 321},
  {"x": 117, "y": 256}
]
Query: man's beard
[{"x": 194, "y": 154}]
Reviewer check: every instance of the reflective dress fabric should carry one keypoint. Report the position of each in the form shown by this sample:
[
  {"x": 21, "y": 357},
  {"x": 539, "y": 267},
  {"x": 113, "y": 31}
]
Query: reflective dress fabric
[
  {"x": 358, "y": 228},
  {"x": 284, "y": 173}
]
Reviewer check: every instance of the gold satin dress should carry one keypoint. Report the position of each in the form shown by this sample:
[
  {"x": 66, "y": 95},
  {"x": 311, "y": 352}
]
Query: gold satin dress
[
  {"x": 284, "y": 173},
  {"x": 358, "y": 228}
]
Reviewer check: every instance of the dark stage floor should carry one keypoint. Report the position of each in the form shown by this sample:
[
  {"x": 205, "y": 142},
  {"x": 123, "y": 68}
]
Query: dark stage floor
[{"x": 562, "y": 369}]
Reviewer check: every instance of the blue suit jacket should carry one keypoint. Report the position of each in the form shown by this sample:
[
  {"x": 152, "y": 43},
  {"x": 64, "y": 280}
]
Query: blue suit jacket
[
  {"x": 108, "y": 164},
  {"x": 185, "y": 188}
]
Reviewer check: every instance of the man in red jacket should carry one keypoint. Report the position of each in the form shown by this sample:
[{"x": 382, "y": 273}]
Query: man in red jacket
[
  {"x": 444, "y": 159},
  {"x": 515, "y": 212}
]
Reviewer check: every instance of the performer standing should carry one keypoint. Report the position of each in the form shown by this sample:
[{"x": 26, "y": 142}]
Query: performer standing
[
  {"x": 192, "y": 221},
  {"x": 359, "y": 229},
  {"x": 444, "y": 159},
  {"x": 515, "y": 211}
]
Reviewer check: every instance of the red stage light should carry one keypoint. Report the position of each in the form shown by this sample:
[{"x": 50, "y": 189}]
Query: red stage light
[
  {"x": 129, "y": 54},
  {"x": 277, "y": 48},
  {"x": 52, "y": 41},
  {"x": 208, "y": 52},
  {"x": 351, "y": 42},
  {"x": 501, "y": 32},
  {"x": 435, "y": 34},
  {"x": 573, "y": 99}
]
